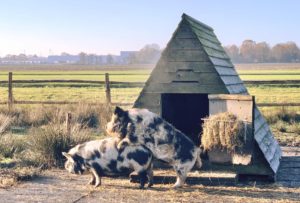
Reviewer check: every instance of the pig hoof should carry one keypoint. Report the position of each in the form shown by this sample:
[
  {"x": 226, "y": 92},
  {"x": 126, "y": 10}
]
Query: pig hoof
[
  {"x": 142, "y": 187},
  {"x": 97, "y": 185},
  {"x": 91, "y": 182},
  {"x": 150, "y": 185}
]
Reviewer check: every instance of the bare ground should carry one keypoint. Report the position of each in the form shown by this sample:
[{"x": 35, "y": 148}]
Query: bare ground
[{"x": 59, "y": 186}]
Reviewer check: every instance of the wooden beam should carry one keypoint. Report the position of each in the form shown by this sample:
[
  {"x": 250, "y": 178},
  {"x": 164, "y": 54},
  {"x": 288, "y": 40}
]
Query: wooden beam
[
  {"x": 10, "y": 92},
  {"x": 231, "y": 97},
  {"x": 209, "y": 181},
  {"x": 68, "y": 123},
  {"x": 107, "y": 89}
]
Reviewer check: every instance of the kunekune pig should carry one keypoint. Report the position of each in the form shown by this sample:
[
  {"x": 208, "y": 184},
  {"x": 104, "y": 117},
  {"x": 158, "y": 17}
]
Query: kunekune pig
[
  {"x": 140, "y": 126},
  {"x": 102, "y": 158}
]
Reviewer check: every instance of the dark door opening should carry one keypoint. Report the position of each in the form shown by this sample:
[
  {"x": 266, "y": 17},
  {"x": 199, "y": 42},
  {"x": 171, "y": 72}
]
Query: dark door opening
[{"x": 185, "y": 112}]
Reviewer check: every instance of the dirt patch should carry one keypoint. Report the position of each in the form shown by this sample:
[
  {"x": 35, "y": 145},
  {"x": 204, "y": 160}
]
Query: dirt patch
[{"x": 59, "y": 186}]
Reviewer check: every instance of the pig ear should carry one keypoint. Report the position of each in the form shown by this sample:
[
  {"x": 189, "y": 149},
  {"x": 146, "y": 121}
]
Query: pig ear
[
  {"x": 119, "y": 111},
  {"x": 68, "y": 156}
]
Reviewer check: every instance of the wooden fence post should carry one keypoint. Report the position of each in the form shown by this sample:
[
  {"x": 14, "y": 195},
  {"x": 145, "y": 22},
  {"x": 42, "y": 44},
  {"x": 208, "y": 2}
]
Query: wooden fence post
[
  {"x": 107, "y": 89},
  {"x": 68, "y": 123},
  {"x": 10, "y": 93}
]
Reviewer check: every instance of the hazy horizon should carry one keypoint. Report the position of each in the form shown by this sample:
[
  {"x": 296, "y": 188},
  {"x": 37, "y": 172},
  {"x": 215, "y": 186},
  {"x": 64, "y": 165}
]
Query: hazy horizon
[{"x": 107, "y": 27}]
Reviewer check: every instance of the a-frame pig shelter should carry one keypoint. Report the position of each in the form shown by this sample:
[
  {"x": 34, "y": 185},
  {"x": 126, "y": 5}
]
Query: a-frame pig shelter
[{"x": 193, "y": 66}]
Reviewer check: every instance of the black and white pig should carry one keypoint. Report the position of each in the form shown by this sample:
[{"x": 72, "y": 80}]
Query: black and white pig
[
  {"x": 101, "y": 157},
  {"x": 160, "y": 137}
]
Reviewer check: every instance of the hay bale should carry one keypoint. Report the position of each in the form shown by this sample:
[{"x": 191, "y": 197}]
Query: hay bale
[{"x": 222, "y": 131}]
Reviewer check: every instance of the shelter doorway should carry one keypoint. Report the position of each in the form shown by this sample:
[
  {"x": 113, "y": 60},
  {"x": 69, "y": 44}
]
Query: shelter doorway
[{"x": 185, "y": 112}]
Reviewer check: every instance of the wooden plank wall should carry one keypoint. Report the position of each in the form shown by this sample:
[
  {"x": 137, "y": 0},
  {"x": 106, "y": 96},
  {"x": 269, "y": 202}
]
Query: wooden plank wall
[{"x": 289, "y": 169}]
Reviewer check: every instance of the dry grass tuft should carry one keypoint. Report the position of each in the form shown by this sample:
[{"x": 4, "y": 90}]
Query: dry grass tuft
[
  {"x": 295, "y": 127},
  {"x": 10, "y": 177},
  {"x": 5, "y": 122},
  {"x": 282, "y": 114},
  {"x": 43, "y": 133},
  {"x": 93, "y": 116},
  {"x": 281, "y": 126},
  {"x": 47, "y": 143},
  {"x": 223, "y": 131},
  {"x": 11, "y": 144}
]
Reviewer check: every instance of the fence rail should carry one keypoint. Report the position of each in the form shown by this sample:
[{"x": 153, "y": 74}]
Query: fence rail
[
  {"x": 74, "y": 81},
  {"x": 141, "y": 84},
  {"x": 108, "y": 84},
  {"x": 270, "y": 82}
]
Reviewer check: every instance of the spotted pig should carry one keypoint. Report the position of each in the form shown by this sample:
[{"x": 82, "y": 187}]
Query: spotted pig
[
  {"x": 101, "y": 157},
  {"x": 160, "y": 137}
]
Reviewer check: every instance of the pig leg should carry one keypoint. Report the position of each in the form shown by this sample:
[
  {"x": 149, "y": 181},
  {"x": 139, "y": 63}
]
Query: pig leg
[
  {"x": 92, "y": 180},
  {"x": 143, "y": 178},
  {"x": 96, "y": 170},
  {"x": 181, "y": 173},
  {"x": 150, "y": 175},
  {"x": 122, "y": 144}
]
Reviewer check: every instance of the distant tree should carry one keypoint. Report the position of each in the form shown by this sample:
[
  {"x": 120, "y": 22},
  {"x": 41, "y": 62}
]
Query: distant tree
[
  {"x": 132, "y": 59},
  {"x": 233, "y": 52},
  {"x": 262, "y": 52},
  {"x": 252, "y": 52},
  {"x": 247, "y": 51},
  {"x": 109, "y": 59},
  {"x": 91, "y": 59},
  {"x": 286, "y": 52},
  {"x": 64, "y": 54},
  {"x": 292, "y": 52},
  {"x": 82, "y": 58},
  {"x": 99, "y": 60},
  {"x": 21, "y": 57},
  {"x": 150, "y": 53}
]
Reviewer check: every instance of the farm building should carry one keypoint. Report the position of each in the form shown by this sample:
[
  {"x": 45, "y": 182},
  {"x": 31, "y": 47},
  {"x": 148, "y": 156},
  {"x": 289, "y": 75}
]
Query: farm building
[{"x": 195, "y": 77}]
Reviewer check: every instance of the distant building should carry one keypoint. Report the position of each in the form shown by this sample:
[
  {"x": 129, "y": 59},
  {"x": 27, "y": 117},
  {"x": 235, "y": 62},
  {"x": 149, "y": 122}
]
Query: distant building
[
  {"x": 22, "y": 59},
  {"x": 57, "y": 59}
]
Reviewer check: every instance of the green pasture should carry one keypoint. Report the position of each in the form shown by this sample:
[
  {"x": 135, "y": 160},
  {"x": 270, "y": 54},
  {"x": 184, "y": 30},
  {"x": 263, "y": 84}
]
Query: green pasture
[
  {"x": 262, "y": 93},
  {"x": 139, "y": 75},
  {"x": 275, "y": 93},
  {"x": 91, "y": 92},
  {"x": 276, "y": 74},
  {"x": 270, "y": 72},
  {"x": 84, "y": 94},
  {"x": 120, "y": 76},
  {"x": 266, "y": 77}
]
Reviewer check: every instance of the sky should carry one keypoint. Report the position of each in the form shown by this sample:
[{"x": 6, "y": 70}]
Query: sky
[{"x": 45, "y": 27}]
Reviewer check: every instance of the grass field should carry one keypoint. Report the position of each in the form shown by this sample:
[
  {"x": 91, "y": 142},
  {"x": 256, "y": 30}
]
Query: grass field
[
  {"x": 275, "y": 93},
  {"x": 121, "y": 76},
  {"x": 263, "y": 94},
  {"x": 138, "y": 75},
  {"x": 61, "y": 91},
  {"x": 93, "y": 92}
]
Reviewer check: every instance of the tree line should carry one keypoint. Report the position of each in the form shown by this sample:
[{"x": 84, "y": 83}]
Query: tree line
[
  {"x": 149, "y": 54},
  {"x": 262, "y": 52},
  {"x": 248, "y": 52}
]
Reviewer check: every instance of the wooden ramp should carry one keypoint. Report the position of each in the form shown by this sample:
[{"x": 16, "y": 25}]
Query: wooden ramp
[
  {"x": 205, "y": 178},
  {"x": 289, "y": 170}
]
